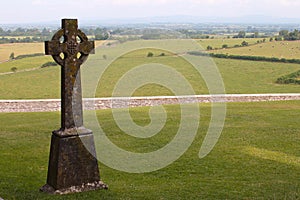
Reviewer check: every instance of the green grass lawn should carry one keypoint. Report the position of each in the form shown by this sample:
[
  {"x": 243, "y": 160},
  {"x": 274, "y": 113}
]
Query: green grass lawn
[
  {"x": 42, "y": 83},
  {"x": 256, "y": 157}
]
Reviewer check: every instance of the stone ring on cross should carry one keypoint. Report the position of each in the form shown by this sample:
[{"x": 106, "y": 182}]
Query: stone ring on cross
[{"x": 69, "y": 43}]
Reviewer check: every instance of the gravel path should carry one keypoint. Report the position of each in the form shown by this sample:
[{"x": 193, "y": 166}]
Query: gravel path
[{"x": 46, "y": 105}]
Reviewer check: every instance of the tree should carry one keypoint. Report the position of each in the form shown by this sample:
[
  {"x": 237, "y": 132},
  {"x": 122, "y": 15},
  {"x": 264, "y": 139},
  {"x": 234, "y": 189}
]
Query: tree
[
  {"x": 283, "y": 33},
  {"x": 244, "y": 43},
  {"x": 14, "y": 69},
  {"x": 224, "y": 46},
  {"x": 286, "y": 35},
  {"x": 12, "y": 56},
  {"x": 209, "y": 48},
  {"x": 150, "y": 54},
  {"x": 293, "y": 35},
  {"x": 256, "y": 35},
  {"x": 241, "y": 34},
  {"x": 103, "y": 36}
]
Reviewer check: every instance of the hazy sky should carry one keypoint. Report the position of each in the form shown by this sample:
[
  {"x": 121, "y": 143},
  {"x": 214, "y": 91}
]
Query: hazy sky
[{"x": 20, "y": 11}]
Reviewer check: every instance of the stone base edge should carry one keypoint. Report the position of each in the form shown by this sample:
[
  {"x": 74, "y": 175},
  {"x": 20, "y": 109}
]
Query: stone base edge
[{"x": 98, "y": 185}]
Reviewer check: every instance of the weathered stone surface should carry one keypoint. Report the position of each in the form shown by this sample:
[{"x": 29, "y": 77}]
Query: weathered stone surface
[
  {"x": 73, "y": 165},
  {"x": 72, "y": 162},
  {"x": 70, "y": 47}
]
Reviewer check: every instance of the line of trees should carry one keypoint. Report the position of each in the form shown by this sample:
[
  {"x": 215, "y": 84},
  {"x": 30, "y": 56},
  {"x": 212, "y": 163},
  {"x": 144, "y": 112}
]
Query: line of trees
[
  {"x": 4, "y": 40},
  {"x": 26, "y": 32},
  {"x": 282, "y": 35},
  {"x": 24, "y": 35},
  {"x": 242, "y": 57},
  {"x": 242, "y": 34},
  {"x": 289, "y": 36}
]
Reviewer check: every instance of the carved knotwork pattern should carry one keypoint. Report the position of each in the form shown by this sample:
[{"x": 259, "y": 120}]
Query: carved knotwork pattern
[{"x": 72, "y": 47}]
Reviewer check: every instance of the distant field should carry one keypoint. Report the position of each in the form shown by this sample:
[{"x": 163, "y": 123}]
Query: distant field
[
  {"x": 19, "y": 49},
  {"x": 239, "y": 77},
  {"x": 231, "y": 42},
  {"x": 27, "y": 48},
  {"x": 278, "y": 49}
]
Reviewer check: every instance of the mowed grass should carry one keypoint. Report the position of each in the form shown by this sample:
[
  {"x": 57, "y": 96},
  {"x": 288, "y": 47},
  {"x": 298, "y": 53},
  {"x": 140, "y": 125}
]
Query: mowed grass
[
  {"x": 231, "y": 42},
  {"x": 42, "y": 83},
  {"x": 256, "y": 157},
  {"x": 251, "y": 77},
  {"x": 128, "y": 62},
  {"x": 278, "y": 49},
  {"x": 239, "y": 77}
]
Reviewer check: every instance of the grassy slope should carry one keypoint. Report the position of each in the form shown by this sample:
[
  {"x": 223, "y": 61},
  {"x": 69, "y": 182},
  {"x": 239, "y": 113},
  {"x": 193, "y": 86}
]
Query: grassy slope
[
  {"x": 255, "y": 77},
  {"x": 239, "y": 77},
  {"x": 257, "y": 157},
  {"x": 41, "y": 83},
  {"x": 25, "y": 63},
  {"x": 280, "y": 49}
]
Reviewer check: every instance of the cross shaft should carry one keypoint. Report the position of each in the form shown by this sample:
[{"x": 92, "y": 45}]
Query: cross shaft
[{"x": 70, "y": 47}]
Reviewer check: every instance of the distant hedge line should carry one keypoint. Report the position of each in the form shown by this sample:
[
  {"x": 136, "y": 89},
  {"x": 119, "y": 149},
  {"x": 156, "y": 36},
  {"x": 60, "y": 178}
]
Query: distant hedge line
[
  {"x": 241, "y": 57},
  {"x": 289, "y": 79},
  {"x": 28, "y": 56},
  {"x": 49, "y": 64}
]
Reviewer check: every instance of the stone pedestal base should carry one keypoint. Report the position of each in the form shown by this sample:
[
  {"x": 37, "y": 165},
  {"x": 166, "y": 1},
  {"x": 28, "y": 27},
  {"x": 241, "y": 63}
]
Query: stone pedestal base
[{"x": 73, "y": 165}]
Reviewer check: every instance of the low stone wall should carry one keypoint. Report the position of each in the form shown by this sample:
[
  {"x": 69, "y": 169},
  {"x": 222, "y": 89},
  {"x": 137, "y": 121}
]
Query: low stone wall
[{"x": 124, "y": 102}]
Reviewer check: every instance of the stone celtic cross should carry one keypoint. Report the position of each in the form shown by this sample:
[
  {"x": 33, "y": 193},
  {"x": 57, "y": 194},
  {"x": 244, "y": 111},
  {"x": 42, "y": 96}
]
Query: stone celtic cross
[
  {"x": 70, "y": 47},
  {"x": 73, "y": 166}
]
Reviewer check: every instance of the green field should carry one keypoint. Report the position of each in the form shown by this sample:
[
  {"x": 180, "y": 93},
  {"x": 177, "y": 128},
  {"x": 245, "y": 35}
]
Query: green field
[
  {"x": 238, "y": 76},
  {"x": 24, "y": 64},
  {"x": 256, "y": 157},
  {"x": 277, "y": 49}
]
